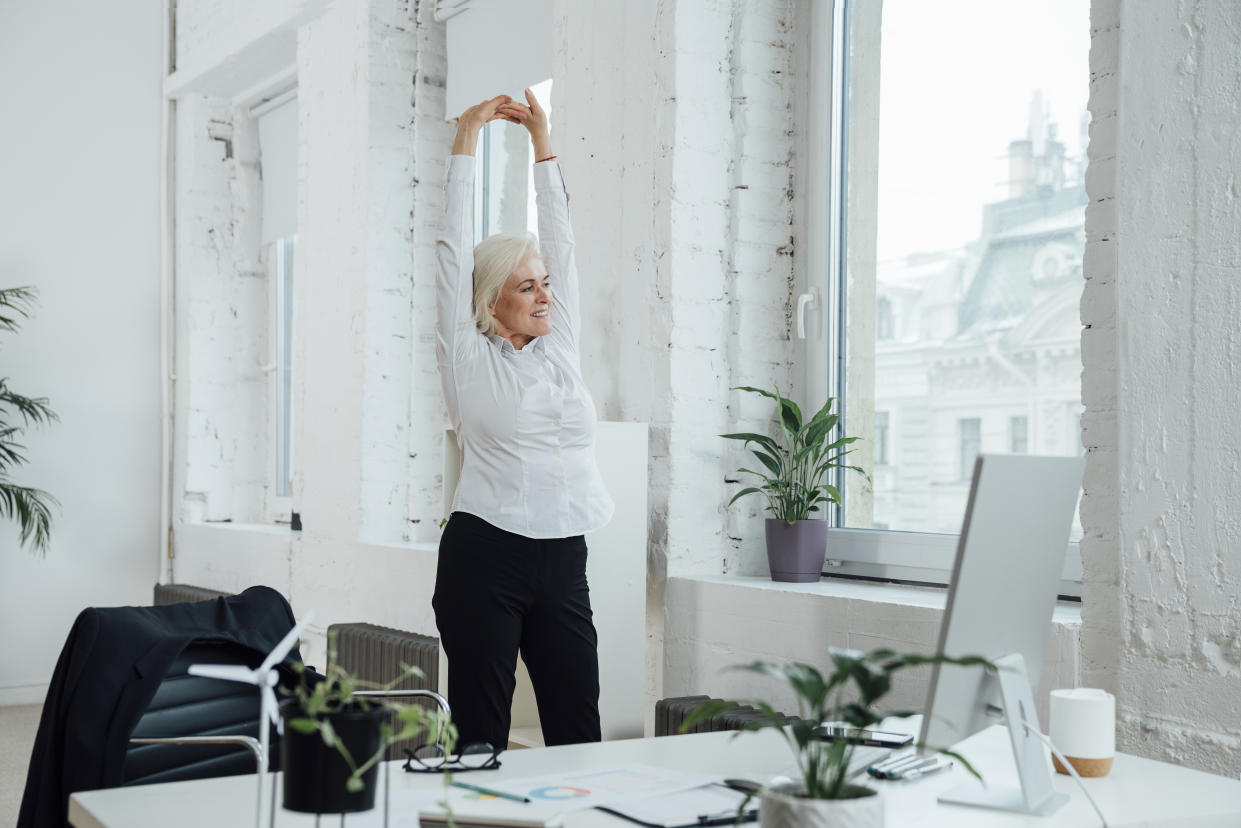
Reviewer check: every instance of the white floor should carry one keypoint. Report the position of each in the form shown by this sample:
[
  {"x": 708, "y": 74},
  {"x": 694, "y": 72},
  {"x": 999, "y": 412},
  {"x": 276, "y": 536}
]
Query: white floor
[{"x": 17, "y": 728}]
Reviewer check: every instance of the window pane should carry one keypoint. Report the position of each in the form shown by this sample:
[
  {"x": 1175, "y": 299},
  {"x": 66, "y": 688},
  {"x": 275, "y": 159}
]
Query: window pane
[
  {"x": 504, "y": 192},
  {"x": 285, "y": 249},
  {"x": 970, "y": 442},
  {"x": 1019, "y": 434},
  {"x": 881, "y": 438},
  {"x": 964, "y": 241}
]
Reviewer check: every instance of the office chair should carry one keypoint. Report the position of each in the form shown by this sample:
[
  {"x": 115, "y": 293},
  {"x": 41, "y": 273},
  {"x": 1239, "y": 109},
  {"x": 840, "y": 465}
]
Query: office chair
[
  {"x": 121, "y": 708},
  {"x": 109, "y": 684}
]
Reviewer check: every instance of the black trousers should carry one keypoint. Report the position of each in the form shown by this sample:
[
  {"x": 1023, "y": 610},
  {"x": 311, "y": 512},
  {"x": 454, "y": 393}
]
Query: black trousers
[{"x": 497, "y": 593}]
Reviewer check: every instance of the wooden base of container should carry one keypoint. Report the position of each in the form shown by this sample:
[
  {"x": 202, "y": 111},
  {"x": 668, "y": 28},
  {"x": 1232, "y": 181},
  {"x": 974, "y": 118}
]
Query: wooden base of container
[{"x": 1084, "y": 767}]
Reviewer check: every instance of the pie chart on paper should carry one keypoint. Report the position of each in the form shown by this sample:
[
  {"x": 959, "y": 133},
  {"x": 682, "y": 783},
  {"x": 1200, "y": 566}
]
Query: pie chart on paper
[{"x": 558, "y": 792}]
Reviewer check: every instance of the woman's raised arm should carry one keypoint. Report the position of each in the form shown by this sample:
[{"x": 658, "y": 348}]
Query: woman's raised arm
[
  {"x": 555, "y": 232},
  {"x": 454, "y": 247}
]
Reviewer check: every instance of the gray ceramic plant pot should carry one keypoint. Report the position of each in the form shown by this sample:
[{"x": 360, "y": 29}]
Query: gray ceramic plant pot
[{"x": 795, "y": 551}]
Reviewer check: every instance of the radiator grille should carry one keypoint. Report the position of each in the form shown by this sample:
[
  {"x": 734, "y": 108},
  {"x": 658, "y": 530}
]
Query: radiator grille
[
  {"x": 375, "y": 654},
  {"x": 671, "y": 712},
  {"x": 179, "y": 593}
]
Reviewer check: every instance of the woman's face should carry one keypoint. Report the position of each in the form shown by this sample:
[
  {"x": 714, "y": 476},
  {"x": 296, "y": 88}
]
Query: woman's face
[{"x": 523, "y": 309}]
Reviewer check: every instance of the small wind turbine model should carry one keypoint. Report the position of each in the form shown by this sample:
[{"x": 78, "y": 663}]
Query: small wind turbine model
[{"x": 265, "y": 678}]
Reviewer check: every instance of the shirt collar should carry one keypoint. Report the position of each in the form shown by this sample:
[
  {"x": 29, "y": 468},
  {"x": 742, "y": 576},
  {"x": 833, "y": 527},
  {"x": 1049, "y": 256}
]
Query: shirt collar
[{"x": 535, "y": 345}]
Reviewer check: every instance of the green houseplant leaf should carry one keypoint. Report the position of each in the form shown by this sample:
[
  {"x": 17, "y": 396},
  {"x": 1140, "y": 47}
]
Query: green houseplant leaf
[
  {"x": 797, "y": 460},
  {"x": 849, "y": 693}
]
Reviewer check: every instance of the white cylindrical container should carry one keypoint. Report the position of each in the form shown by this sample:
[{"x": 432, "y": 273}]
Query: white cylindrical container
[{"x": 1083, "y": 728}]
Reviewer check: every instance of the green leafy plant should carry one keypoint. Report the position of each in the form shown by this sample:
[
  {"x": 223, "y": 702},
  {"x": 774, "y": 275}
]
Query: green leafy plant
[
  {"x": 32, "y": 508},
  {"x": 319, "y": 697},
  {"x": 797, "y": 460},
  {"x": 849, "y": 694}
]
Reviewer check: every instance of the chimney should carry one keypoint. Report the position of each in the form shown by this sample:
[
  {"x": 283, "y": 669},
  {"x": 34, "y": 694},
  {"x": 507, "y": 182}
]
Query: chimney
[{"x": 1020, "y": 168}]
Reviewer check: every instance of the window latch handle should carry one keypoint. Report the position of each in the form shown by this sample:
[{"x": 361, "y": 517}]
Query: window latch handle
[{"x": 806, "y": 300}]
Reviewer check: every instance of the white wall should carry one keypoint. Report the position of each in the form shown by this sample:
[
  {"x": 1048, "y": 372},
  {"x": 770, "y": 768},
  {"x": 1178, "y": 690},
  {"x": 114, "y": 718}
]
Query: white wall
[
  {"x": 1162, "y": 357},
  {"x": 80, "y": 220}
]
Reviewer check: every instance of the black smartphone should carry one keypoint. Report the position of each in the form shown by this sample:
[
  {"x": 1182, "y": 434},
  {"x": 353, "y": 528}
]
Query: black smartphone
[{"x": 872, "y": 738}]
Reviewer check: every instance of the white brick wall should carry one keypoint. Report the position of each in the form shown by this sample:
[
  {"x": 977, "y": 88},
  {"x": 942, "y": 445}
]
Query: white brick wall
[
  {"x": 1162, "y": 625},
  {"x": 432, "y": 138},
  {"x": 222, "y": 302}
]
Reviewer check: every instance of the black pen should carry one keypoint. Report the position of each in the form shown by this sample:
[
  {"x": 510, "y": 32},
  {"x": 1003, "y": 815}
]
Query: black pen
[
  {"x": 489, "y": 791},
  {"x": 727, "y": 818}
]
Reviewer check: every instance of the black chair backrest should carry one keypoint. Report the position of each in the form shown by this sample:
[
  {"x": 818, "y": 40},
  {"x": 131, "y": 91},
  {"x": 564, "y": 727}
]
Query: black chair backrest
[{"x": 186, "y": 705}]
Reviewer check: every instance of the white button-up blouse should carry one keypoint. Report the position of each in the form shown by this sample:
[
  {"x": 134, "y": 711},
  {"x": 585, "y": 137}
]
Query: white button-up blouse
[{"x": 524, "y": 419}]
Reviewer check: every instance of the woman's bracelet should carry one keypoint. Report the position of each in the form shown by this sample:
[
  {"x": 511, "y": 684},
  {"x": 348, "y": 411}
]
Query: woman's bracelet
[{"x": 548, "y": 158}]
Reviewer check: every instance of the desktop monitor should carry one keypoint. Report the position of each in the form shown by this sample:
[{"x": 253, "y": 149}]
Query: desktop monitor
[{"x": 1004, "y": 585}]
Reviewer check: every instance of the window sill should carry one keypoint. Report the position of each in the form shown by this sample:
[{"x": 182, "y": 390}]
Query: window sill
[
  {"x": 1068, "y": 614},
  {"x": 283, "y": 531}
]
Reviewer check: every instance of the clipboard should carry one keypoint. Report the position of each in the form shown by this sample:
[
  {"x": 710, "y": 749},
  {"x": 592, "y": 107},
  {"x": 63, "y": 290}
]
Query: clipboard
[{"x": 713, "y": 804}]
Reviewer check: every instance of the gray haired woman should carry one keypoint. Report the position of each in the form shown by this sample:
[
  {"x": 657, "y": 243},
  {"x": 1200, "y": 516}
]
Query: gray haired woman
[{"x": 512, "y": 559}]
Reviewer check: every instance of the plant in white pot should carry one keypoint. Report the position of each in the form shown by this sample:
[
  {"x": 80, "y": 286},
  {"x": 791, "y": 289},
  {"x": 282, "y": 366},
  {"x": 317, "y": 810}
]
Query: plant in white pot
[
  {"x": 822, "y": 795},
  {"x": 796, "y": 466}
]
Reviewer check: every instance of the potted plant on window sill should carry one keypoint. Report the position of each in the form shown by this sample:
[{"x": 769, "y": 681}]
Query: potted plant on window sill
[
  {"x": 822, "y": 796},
  {"x": 796, "y": 464}
]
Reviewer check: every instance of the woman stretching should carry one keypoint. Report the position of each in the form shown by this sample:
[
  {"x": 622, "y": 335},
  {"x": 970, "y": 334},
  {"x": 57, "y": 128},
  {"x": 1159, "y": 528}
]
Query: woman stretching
[{"x": 512, "y": 559}]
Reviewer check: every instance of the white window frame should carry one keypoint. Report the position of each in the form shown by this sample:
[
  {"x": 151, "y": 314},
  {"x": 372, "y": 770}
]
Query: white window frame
[
  {"x": 880, "y": 554},
  {"x": 279, "y": 507}
]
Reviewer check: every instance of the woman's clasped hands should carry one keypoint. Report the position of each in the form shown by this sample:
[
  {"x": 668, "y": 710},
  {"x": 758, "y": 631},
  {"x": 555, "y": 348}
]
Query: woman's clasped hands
[{"x": 502, "y": 107}]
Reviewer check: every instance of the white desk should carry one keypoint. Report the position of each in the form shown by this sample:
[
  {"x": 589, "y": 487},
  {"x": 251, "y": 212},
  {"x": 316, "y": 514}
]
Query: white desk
[{"x": 1137, "y": 792}]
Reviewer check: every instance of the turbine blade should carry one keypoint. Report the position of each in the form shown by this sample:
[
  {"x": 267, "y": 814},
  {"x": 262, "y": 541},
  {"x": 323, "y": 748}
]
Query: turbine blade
[
  {"x": 282, "y": 649},
  {"x": 227, "y": 672},
  {"x": 271, "y": 707}
]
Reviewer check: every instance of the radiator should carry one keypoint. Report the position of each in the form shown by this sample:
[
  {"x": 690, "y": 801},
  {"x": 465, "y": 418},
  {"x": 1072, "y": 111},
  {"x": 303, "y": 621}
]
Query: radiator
[
  {"x": 671, "y": 712},
  {"x": 375, "y": 654},
  {"x": 179, "y": 593}
]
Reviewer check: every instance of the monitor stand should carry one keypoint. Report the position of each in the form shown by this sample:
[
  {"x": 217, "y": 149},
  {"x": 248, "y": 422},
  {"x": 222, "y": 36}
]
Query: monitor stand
[{"x": 1035, "y": 796}]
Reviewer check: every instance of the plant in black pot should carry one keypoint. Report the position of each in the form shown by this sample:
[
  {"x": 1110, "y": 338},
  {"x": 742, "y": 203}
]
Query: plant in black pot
[
  {"x": 335, "y": 737},
  {"x": 822, "y": 796},
  {"x": 796, "y": 465}
]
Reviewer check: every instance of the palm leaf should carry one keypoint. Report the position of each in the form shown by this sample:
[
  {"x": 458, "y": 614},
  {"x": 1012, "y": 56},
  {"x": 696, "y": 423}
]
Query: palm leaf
[
  {"x": 32, "y": 409},
  {"x": 32, "y": 510},
  {"x": 15, "y": 302}
]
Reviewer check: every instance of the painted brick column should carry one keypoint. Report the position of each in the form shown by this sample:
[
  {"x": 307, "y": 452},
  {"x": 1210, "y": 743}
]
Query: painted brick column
[{"x": 1161, "y": 355}]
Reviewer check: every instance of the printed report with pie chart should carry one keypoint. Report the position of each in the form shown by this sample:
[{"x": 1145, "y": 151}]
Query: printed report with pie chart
[{"x": 556, "y": 794}]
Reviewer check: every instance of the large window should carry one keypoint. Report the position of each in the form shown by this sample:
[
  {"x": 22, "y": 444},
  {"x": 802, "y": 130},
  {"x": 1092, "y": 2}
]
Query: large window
[
  {"x": 277, "y": 123},
  {"x": 956, "y": 203}
]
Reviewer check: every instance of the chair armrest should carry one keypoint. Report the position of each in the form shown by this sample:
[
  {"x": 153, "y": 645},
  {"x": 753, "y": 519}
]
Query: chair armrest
[
  {"x": 431, "y": 694},
  {"x": 248, "y": 742}
]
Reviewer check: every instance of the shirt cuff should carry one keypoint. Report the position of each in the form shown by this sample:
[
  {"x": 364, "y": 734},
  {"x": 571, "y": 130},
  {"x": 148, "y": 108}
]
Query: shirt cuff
[
  {"x": 460, "y": 166},
  {"x": 548, "y": 176}
]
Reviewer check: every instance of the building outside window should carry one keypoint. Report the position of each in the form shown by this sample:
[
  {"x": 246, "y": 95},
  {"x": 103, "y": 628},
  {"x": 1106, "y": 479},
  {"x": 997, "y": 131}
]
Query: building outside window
[
  {"x": 958, "y": 198},
  {"x": 1019, "y": 435},
  {"x": 881, "y": 438},
  {"x": 970, "y": 443},
  {"x": 884, "y": 327}
]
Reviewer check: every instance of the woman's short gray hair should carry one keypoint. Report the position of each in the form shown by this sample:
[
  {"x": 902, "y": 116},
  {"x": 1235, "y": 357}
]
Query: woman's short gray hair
[{"x": 495, "y": 259}]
